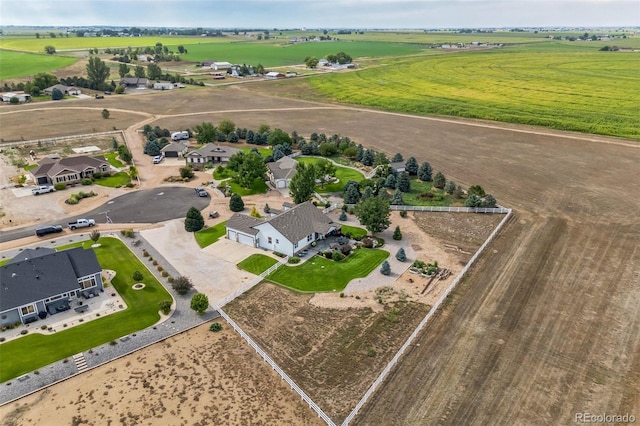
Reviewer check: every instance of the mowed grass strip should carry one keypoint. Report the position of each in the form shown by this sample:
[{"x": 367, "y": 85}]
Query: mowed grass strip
[
  {"x": 257, "y": 263},
  {"x": 115, "y": 180},
  {"x": 206, "y": 237},
  {"x": 36, "y": 350},
  {"x": 343, "y": 174},
  {"x": 20, "y": 64},
  {"x": 319, "y": 274},
  {"x": 354, "y": 231},
  {"x": 561, "y": 86}
]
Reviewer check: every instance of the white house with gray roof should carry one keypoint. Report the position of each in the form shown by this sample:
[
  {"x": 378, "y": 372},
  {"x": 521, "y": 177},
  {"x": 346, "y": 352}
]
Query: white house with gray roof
[
  {"x": 288, "y": 232},
  {"x": 37, "y": 283},
  {"x": 209, "y": 153},
  {"x": 280, "y": 172}
]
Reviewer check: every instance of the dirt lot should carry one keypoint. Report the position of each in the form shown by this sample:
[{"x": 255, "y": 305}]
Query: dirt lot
[
  {"x": 328, "y": 352},
  {"x": 547, "y": 323},
  {"x": 196, "y": 378}
]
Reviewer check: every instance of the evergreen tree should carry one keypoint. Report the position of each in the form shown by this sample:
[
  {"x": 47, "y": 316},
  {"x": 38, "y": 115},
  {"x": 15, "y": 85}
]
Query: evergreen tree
[
  {"x": 401, "y": 255},
  {"x": 359, "y": 153},
  {"x": 351, "y": 192},
  {"x": 449, "y": 187},
  {"x": 439, "y": 181},
  {"x": 390, "y": 182},
  {"x": 397, "y": 158},
  {"x": 235, "y": 203},
  {"x": 397, "y": 235},
  {"x": 424, "y": 172},
  {"x": 396, "y": 198},
  {"x": 368, "y": 157},
  {"x": 473, "y": 201},
  {"x": 411, "y": 166},
  {"x": 489, "y": 201},
  {"x": 367, "y": 193},
  {"x": 343, "y": 216},
  {"x": 194, "y": 221},
  {"x": 385, "y": 268},
  {"x": 403, "y": 183},
  {"x": 458, "y": 192}
]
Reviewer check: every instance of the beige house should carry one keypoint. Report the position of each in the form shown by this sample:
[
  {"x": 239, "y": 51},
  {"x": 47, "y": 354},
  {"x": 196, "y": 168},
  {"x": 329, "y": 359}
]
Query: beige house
[{"x": 69, "y": 170}]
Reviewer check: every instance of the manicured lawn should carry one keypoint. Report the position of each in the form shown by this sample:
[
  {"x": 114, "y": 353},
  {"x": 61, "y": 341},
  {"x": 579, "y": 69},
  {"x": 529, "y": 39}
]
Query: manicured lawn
[
  {"x": 416, "y": 197},
  {"x": 354, "y": 231},
  {"x": 344, "y": 175},
  {"x": 36, "y": 350},
  {"x": 112, "y": 158},
  {"x": 257, "y": 263},
  {"x": 265, "y": 152},
  {"x": 115, "y": 180},
  {"x": 320, "y": 274},
  {"x": 206, "y": 237},
  {"x": 259, "y": 185},
  {"x": 30, "y": 167}
]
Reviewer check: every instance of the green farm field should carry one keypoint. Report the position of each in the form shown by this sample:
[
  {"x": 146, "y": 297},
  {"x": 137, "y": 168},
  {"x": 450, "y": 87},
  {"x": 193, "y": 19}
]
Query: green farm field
[
  {"x": 20, "y": 64},
  {"x": 558, "y": 85}
]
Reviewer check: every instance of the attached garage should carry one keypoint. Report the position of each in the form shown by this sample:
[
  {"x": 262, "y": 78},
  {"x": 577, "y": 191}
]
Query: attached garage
[{"x": 240, "y": 229}]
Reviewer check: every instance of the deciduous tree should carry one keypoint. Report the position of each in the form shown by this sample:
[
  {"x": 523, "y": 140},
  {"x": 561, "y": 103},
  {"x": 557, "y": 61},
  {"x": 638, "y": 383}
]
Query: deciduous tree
[
  {"x": 199, "y": 303},
  {"x": 374, "y": 214},
  {"x": 154, "y": 72},
  {"x": 123, "y": 69},
  {"x": 205, "y": 133},
  {"x": 226, "y": 126},
  {"x": 302, "y": 183},
  {"x": 97, "y": 72}
]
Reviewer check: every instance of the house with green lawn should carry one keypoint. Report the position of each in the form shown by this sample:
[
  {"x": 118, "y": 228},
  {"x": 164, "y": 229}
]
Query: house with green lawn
[
  {"x": 289, "y": 232},
  {"x": 69, "y": 170},
  {"x": 209, "y": 153},
  {"x": 280, "y": 172},
  {"x": 37, "y": 283}
]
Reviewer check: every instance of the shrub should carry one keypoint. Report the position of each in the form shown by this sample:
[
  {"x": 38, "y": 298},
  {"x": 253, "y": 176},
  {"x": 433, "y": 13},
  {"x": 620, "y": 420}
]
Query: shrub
[
  {"x": 73, "y": 199},
  {"x": 215, "y": 327},
  {"x": 137, "y": 276},
  {"x": 337, "y": 256},
  {"x": 294, "y": 259},
  {"x": 165, "y": 307},
  {"x": 86, "y": 181},
  {"x": 403, "y": 213},
  {"x": 24, "y": 332},
  {"x": 367, "y": 242},
  {"x": 145, "y": 253},
  {"x": 346, "y": 249},
  {"x": 59, "y": 186},
  {"x": 199, "y": 303},
  {"x": 2, "y": 339},
  {"x": 165, "y": 274},
  {"x": 182, "y": 285},
  {"x": 160, "y": 268},
  {"x": 385, "y": 269},
  {"x": 97, "y": 175},
  {"x": 170, "y": 279},
  {"x": 401, "y": 255},
  {"x": 342, "y": 294},
  {"x": 328, "y": 254},
  {"x": 127, "y": 232},
  {"x": 397, "y": 235},
  {"x": 343, "y": 216}
]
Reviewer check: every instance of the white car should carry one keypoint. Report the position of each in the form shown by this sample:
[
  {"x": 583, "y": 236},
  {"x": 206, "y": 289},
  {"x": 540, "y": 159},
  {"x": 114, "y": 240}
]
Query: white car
[{"x": 158, "y": 159}]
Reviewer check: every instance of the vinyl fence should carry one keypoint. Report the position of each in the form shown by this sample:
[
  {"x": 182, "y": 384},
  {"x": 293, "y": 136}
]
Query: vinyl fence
[
  {"x": 52, "y": 141},
  {"x": 273, "y": 365},
  {"x": 496, "y": 210},
  {"x": 433, "y": 310}
]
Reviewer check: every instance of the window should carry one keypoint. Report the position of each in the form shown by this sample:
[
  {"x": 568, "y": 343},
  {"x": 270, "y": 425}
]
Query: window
[
  {"x": 269, "y": 240},
  {"x": 295, "y": 245},
  {"x": 309, "y": 237},
  {"x": 54, "y": 298},
  {"x": 88, "y": 283},
  {"x": 26, "y": 310}
]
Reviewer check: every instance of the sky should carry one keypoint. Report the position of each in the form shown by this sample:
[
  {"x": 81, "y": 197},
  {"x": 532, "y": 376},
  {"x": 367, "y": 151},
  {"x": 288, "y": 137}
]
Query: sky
[{"x": 289, "y": 14}]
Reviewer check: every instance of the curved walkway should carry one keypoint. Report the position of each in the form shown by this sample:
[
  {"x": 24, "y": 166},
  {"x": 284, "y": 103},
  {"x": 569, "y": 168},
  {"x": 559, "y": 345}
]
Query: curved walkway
[{"x": 181, "y": 319}]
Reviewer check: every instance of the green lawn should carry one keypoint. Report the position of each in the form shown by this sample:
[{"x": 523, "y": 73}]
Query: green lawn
[
  {"x": 257, "y": 263},
  {"x": 321, "y": 274},
  {"x": 20, "y": 64},
  {"x": 344, "y": 175},
  {"x": 112, "y": 158},
  {"x": 356, "y": 233},
  {"x": 30, "y": 167},
  {"x": 418, "y": 195},
  {"x": 265, "y": 152},
  {"x": 206, "y": 237},
  {"x": 37, "y": 350},
  {"x": 259, "y": 185},
  {"x": 115, "y": 180}
]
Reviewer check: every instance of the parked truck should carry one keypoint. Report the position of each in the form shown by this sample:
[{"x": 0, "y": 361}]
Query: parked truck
[
  {"x": 42, "y": 189},
  {"x": 81, "y": 223}
]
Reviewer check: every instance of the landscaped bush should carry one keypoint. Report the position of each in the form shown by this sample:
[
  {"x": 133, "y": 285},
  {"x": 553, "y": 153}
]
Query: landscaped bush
[
  {"x": 86, "y": 181},
  {"x": 215, "y": 327},
  {"x": 337, "y": 256},
  {"x": 59, "y": 186},
  {"x": 385, "y": 269},
  {"x": 367, "y": 242},
  {"x": 165, "y": 307},
  {"x": 160, "y": 268},
  {"x": 403, "y": 213},
  {"x": 127, "y": 232},
  {"x": 155, "y": 262},
  {"x": 397, "y": 235},
  {"x": 346, "y": 249},
  {"x": 97, "y": 175},
  {"x": 170, "y": 279},
  {"x": 182, "y": 285},
  {"x": 294, "y": 259},
  {"x": 145, "y": 253},
  {"x": 328, "y": 254},
  {"x": 137, "y": 276},
  {"x": 73, "y": 199},
  {"x": 279, "y": 254},
  {"x": 165, "y": 274},
  {"x": 24, "y": 332}
]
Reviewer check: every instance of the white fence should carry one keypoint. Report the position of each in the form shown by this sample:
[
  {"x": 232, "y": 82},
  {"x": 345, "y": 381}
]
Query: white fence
[
  {"x": 330, "y": 208},
  {"x": 273, "y": 365},
  {"x": 62, "y": 138},
  {"x": 424, "y": 321},
  {"x": 250, "y": 284},
  {"x": 496, "y": 210}
]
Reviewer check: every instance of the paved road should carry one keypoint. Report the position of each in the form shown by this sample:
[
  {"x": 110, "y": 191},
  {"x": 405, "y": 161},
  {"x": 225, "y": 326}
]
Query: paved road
[{"x": 146, "y": 206}]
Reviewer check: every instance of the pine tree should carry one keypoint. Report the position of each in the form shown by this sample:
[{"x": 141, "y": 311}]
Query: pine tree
[
  {"x": 403, "y": 183},
  {"x": 401, "y": 255},
  {"x": 411, "y": 166},
  {"x": 194, "y": 220},
  {"x": 439, "y": 181},
  {"x": 397, "y": 235},
  {"x": 396, "y": 198},
  {"x": 424, "y": 172},
  {"x": 385, "y": 268},
  {"x": 235, "y": 203}
]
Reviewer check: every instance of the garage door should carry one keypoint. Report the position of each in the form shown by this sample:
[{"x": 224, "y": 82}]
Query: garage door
[
  {"x": 245, "y": 239},
  {"x": 231, "y": 235}
]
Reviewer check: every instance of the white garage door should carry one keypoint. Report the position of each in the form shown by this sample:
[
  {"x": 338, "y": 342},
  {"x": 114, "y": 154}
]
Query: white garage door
[
  {"x": 245, "y": 239},
  {"x": 231, "y": 235}
]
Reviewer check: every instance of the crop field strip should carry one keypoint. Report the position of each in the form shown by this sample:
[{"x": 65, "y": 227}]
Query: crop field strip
[{"x": 20, "y": 64}]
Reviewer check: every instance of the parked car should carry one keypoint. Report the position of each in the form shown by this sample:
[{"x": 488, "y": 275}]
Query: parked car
[
  {"x": 158, "y": 159},
  {"x": 81, "y": 223},
  {"x": 45, "y": 230},
  {"x": 106, "y": 92},
  {"x": 201, "y": 192},
  {"x": 99, "y": 96},
  {"x": 42, "y": 189}
]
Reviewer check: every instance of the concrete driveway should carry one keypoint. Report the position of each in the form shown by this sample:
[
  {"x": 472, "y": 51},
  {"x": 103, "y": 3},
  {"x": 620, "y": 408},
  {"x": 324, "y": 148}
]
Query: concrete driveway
[{"x": 210, "y": 273}]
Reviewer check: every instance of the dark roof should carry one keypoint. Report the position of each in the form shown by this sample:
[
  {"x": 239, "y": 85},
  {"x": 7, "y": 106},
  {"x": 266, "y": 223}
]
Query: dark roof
[
  {"x": 27, "y": 254},
  {"x": 174, "y": 147},
  {"x": 45, "y": 276},
  {"x": 52, "y": 167},
  {"x": 284, "y": 168},
  {"x": 244, "y": 223},
  {"x": 134, "y": 81},
  {"x": 298, "y": 222}
]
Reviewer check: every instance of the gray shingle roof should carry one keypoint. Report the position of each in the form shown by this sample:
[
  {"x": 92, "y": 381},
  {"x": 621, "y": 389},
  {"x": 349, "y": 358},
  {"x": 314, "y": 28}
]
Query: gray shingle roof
[
  {"x": 284, "y": 168},
  {"x": 244, "y": 223},
  {"x": 41, "y": 277},
  {"x": 300, "y": 221},
  {"x": 76, "y": 164},
  {"x": 212, "y": 150}
]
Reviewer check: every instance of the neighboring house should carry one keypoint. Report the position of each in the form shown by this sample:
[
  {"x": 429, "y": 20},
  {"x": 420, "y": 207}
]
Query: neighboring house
[
  {"x": 22, "y": 97},
  {"x": 66, "y": 90},
  {"x": 210, "y": 153},
  {"x": 69, "y": 170},
  {"x": 280, "y": 172},
  {"x": 163, "y": 85},
  {"x": 288, "y": 232},
  {"x": 398, "y": 166},
  {"x": 274, "y": 75},
  {"x": 174, "y": 150},
  {"x": 42, "y": 282},
  {"x": 134, "y": 81},
  {"x": 217, "y": 66}
]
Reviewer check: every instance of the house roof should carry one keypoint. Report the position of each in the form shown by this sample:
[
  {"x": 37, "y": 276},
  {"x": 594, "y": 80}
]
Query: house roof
[
  {"x": 244, "y": 223},
  {"x": 397, "y": 165},
  {"x": 41, "y": 277},
  {"x": 174, "y": 147},
  {"x": 298, "y": 222},
  {"x": 284, "y": 168},
  {"x": 27, "y": 254},
  {"x": 212, "y": 150},
  {"x": 52, "y": 167},
  {"x": 134, "y": 81}
]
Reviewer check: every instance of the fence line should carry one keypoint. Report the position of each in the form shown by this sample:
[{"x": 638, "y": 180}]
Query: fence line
[
  {"x": 330, "y": 208},
  {"x": 62, "y": 138},
  {"x": 275, "y": 366},
  {"x": 499, "y": 210},
  {"x": 251, "y": 283},
  {"x": 424, "y": 321}
]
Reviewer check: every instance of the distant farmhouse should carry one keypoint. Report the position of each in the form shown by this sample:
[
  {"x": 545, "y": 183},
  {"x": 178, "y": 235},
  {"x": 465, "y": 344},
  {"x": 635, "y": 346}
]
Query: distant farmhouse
[
  {"x": 42, "y": 282},
  {"x": 66, "y": 90}
]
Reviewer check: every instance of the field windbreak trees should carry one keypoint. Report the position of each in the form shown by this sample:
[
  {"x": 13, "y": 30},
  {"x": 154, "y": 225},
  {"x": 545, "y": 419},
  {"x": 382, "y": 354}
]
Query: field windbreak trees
[{"x": 97, "y": 72}]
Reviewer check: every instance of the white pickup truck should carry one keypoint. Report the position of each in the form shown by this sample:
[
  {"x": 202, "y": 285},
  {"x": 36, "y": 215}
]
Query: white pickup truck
[
  {"x": 81, "y": 223},
  {"x": 42, "y": 189}
]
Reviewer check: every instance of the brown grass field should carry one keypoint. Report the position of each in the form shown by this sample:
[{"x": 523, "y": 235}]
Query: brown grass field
[{"x": 547, "y": 323}]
